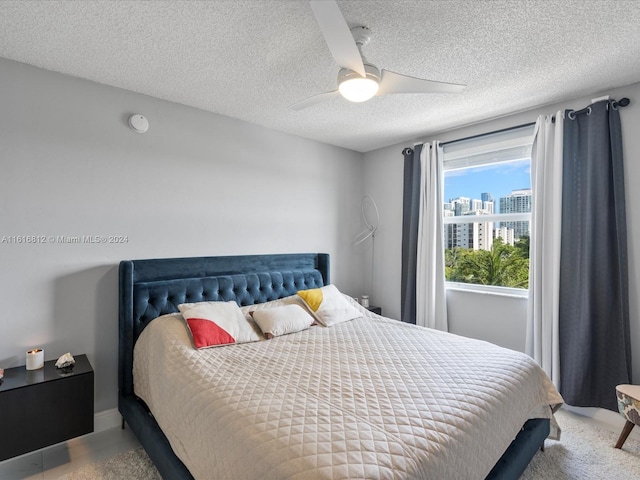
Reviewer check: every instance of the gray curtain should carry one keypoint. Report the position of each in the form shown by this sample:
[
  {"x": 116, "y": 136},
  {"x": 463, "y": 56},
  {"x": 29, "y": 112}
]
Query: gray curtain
[
  {"x": 595, "y": 349},
  {"x": 410, "y": 218}
]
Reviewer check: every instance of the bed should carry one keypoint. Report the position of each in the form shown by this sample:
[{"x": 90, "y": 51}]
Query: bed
[{"x": 367, "y": 398}]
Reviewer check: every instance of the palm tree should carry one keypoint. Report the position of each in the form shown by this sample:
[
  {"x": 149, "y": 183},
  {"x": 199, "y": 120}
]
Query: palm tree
[{"x": 503, "y": 265}]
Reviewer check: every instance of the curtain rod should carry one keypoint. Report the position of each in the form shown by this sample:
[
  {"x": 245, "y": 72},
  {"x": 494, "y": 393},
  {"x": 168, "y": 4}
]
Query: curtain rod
[
  {"x": 471, "y": 137},
  {"x": 623, "y": 102}
]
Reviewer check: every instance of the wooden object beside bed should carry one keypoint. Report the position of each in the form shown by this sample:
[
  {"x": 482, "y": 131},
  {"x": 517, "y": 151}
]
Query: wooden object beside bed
[{"x": 150, "y": 288}]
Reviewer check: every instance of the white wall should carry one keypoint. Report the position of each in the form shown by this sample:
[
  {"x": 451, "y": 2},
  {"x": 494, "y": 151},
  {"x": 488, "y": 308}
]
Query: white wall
[
  {"x": 195, "y": 184},
  {"x": 500, "y": 320},
  {"x": 203, "y": 184},
  {"x": 495, "y": 318}
]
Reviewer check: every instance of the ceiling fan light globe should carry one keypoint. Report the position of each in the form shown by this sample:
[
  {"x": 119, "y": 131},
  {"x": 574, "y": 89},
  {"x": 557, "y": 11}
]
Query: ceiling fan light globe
[{"x": 356, "y": 88}]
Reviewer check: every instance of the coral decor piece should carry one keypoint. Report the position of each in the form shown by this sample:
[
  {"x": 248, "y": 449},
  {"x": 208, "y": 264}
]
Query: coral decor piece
[{"x": 65, "y": 361}]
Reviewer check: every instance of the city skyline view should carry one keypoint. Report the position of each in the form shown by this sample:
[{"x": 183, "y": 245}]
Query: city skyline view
[{"x": 497, "y": 179}]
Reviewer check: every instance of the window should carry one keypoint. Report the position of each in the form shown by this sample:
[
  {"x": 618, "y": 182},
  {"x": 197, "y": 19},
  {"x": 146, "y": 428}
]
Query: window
[{"x": 487, "y": 211}]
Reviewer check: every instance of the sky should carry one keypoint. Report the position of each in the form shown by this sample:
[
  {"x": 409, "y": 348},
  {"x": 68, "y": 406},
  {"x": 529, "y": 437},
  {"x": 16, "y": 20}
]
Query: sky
[{"x": 497, "y": 179}]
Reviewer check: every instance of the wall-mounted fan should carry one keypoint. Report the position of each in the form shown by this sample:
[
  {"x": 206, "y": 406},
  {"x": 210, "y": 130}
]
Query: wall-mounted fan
[{"x": 358, "y": 79}]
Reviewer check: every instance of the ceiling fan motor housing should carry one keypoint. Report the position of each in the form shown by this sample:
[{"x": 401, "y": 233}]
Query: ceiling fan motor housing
[{"x": 371, "y": 71}]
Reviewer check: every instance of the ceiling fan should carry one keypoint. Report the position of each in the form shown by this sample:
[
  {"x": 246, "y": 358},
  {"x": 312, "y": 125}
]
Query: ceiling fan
[{"x": 359, "y": 80}]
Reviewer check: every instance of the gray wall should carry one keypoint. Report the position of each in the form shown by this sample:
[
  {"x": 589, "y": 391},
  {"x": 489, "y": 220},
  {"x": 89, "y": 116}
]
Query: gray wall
[
  {"x": 498, "y": 319},
  {"x": 195, "y": 184}
]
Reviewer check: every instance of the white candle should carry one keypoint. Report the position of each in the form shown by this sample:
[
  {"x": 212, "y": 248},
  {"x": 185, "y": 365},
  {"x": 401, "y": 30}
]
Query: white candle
[{"x": 35, "y": 359}]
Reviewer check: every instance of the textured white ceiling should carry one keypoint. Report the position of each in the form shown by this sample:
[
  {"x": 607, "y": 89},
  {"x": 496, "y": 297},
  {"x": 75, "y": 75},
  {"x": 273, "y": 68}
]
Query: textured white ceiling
[{"x": 252, "y": 59}]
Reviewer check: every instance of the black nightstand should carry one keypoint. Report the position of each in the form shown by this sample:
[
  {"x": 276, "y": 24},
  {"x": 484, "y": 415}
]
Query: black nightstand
[
  {"x": 374, "y": 309},
  {"x": 42, "y": 407}
]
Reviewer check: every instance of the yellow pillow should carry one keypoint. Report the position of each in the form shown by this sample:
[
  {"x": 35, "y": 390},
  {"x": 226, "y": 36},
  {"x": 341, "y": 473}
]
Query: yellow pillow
[
  {"x": 328, "y": 305},
  {"x": 312, "y": 298}
]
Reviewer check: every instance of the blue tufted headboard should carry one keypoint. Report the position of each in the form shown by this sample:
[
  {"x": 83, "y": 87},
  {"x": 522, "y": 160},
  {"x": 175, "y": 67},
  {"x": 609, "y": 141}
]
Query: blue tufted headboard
[{"x": 150, "y": 288}]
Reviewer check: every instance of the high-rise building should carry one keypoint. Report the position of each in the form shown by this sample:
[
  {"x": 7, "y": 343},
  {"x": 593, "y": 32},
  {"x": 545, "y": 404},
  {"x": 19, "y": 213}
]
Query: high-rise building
[
  {"x": 456, "y": 235},
  {"x": 488, "y": 203},
  {"x": 506, "y": 234},
  {"x": 481, "y": 235},
  {"x": 518, "y": 201},
  {"x": 460, "y": 205},
  {"x": 475, "y": 235},
  {"x": 488, "y": 207}
]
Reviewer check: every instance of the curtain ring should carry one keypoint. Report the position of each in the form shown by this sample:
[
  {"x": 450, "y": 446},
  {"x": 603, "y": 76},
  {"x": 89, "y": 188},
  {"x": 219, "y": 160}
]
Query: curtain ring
[
  {"x": 571, "y": 115},
  {"x": 614, "y": 105},
  {"x": 589, "y": 110}
]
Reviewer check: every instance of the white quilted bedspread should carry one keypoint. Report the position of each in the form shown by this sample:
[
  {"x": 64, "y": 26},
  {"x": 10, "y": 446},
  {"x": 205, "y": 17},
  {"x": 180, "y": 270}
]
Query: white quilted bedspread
[{"x": 370, "y": 398}]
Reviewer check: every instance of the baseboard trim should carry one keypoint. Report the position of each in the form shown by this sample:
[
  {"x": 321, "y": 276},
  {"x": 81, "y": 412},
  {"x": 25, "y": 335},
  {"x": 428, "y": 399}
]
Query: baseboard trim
[
  {"x": 607, "y": 419},
  {"x": 106, "y": 419}
]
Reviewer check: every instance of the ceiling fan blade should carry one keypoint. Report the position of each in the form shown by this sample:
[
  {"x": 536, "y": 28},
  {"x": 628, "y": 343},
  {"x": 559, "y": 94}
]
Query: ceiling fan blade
[
  {"x": 336, "y": 33},
  {"x": 392, "y": 82},
  {"x": 314, "y": 100}
]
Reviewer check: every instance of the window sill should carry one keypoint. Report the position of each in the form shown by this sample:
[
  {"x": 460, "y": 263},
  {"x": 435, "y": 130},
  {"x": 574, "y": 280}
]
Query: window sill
[{"x": 488, "y": 289}]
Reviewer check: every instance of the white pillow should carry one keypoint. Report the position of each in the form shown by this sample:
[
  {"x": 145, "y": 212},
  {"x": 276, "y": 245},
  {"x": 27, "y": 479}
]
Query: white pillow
[
  {"x": 328, "y": 305},
  {"x": 248, "y": 310},
  {"x": 282, "y": 320},
  {"x": 213, "y": 324}
]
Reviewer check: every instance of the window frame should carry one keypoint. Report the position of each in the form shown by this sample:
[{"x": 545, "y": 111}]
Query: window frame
[{"x": 508, "y": 145}]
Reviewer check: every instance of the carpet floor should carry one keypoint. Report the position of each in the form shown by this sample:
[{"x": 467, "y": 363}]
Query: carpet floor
[
  {"x": 585, "y": 452},
  {"x": 131, "y": 465}
]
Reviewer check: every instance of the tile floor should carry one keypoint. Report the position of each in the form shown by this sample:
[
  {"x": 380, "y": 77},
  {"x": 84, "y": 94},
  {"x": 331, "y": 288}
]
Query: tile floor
[{"x": 52, "y": 462}]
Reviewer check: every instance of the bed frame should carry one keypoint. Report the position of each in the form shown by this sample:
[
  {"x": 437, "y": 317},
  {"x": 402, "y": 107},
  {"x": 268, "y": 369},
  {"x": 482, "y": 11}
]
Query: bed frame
[{"x": 154, "y": 287}]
